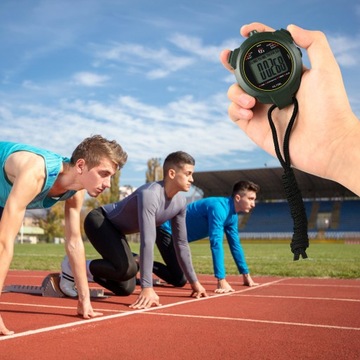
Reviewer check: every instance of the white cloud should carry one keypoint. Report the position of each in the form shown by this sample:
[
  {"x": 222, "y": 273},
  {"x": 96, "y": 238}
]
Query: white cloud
[
  {"x": 28, "y": 84},
  {"x": 230, "y": 78},
  {"x": 144, "y": 130},
  {"x": 89, "y": 79},
  {"x": 161, "y": 62},
  {"x": 346, "y": 49},
  {"x": 194, "y": 45}
]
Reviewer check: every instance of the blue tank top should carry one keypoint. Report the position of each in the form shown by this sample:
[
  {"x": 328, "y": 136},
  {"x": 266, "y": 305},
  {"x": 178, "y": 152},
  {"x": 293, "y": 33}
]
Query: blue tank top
[{"x": 53, "y": 163}]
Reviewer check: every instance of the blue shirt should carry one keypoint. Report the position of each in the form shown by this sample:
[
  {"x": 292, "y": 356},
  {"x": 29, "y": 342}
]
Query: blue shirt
[{"x": 212, "y": 217}]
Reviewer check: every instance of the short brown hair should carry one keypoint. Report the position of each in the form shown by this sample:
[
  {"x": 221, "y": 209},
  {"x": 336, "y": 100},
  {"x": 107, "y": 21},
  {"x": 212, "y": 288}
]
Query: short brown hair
[
  {"x": 243, "y": 185},
  {"x": 94, "y": 148},
  {"x": 177, "y": 160}
]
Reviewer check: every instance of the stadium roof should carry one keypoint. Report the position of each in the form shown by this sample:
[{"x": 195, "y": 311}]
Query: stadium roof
[{"x": 219, "y": 183}]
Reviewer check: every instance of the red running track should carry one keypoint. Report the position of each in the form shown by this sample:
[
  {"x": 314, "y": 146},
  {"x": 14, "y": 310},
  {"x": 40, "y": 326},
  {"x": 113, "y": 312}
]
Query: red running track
[{"x": 282, "y": 318}]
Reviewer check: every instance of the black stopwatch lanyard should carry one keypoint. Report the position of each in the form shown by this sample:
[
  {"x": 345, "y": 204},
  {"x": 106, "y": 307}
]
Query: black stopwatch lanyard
[{"x": 300, "y": 240}]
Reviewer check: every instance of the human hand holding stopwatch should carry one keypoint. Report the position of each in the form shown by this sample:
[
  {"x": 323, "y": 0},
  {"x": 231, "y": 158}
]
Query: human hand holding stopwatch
[{"x": 326, "y": 129}]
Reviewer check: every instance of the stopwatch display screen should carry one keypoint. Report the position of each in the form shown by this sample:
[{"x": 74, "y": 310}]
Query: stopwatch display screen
[{"x": 267, "y": 65}]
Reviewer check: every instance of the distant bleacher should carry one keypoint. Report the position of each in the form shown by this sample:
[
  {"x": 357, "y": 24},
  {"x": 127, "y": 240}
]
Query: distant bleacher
[
  {"x": 269, "y": 217},
  {"x": 335, "y": 219},
  {"x": 350, "y": 216}
]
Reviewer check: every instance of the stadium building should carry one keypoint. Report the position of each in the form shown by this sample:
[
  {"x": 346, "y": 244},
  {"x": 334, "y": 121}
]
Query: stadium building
[{"x": 332, "y": 210}]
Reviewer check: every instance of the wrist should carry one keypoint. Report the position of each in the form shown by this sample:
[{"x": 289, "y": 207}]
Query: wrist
[
  {"x": 83, "y": 297},
  {"x": 345, "y": 158}
]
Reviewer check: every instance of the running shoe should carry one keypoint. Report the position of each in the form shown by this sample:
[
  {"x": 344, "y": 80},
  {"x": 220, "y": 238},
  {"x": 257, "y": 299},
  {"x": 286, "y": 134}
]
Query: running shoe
[{"x": 67, "y": 282}]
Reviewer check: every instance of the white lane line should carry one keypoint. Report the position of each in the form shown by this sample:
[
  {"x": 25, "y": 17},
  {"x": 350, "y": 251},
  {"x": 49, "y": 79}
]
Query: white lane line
[
  {"x": 320, "y": 285},
  {"x": 259, "y": 321},
  {"x": 304, "y": 298},
  {"x": 56, "y": 307},
  {"x": 127, "y": 313}
]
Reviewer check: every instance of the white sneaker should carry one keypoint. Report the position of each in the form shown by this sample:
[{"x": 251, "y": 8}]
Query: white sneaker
[{"x": 67, "y": 282}]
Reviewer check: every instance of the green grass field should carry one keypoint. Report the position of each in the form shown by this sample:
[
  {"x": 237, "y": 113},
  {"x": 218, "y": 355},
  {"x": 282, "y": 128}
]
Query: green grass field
[{"x": 273, "y": 259}]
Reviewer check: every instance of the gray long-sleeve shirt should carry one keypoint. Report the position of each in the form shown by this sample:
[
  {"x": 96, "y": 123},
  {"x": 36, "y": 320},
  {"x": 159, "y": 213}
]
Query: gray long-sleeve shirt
[{"x": 144, "y": 210}]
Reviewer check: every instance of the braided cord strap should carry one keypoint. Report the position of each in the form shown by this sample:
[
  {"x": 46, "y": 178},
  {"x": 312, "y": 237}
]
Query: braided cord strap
[{"x": 300, "y": 239}]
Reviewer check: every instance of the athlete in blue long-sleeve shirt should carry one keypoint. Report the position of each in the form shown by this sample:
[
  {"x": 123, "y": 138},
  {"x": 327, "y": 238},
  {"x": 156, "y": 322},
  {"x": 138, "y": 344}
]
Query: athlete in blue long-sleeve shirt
[{"x": 211, "y": 217}]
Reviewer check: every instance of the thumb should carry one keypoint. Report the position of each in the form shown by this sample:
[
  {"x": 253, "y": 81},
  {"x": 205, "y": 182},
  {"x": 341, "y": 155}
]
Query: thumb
[{"x": 316, "y": 45}]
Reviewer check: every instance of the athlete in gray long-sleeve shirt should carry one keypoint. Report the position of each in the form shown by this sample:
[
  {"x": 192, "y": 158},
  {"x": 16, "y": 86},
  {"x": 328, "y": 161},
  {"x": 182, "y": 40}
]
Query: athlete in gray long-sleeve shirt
[
  {"x": 138, "y": 212},
  {"x": 142, "y": 211}
]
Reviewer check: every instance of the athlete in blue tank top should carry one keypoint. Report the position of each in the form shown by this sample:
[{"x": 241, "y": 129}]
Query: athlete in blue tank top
[
  {"x": 210, "y": 218},
  {"x": 34, "y": 178}
]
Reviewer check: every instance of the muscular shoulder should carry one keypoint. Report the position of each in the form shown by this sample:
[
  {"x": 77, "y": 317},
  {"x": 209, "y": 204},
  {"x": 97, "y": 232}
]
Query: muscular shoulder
[{"x": 22, "y": 163}]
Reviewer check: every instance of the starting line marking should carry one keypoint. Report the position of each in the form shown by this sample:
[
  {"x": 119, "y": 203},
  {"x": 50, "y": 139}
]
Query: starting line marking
[
  {"x": 127, "y": 313},
  {"x": 153, "y": 309},
  {"x": 56, "y": 307}
]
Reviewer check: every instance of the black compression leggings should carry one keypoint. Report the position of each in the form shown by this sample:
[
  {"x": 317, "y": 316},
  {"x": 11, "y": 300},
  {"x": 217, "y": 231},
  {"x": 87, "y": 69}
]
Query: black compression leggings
[
  {"x": 117, "y": 269},
  {"x": 171, "y": 272}
]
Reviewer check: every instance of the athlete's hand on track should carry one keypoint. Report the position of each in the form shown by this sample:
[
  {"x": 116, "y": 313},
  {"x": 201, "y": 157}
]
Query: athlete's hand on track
[
  {"x": 3, "y": 329},
  {"x": 85, "y": 310},
  {"x": 198, "y": 290},
  {"x": 147, "y": 298}
]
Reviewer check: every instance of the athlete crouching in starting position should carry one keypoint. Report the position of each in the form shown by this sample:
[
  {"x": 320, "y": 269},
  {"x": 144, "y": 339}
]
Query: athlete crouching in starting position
[
  {"x": 34, "y": 178},
  {"x": 211, "y": 217},
  {"x": 142, "y": 211}
]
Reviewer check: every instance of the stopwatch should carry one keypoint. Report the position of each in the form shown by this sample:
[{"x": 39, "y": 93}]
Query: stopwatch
[{"x": 268, "y": 66}]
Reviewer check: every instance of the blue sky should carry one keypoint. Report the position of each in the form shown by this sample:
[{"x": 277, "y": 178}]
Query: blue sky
[{"x": 146, "y": 73}]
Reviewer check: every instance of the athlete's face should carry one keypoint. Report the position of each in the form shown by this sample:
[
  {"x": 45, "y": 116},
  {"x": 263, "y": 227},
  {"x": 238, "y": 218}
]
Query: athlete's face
[
  {"x": 184, "y": 177},
  {"x": 245, "y": 201},
  {"x": 98, "y": 178}
]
